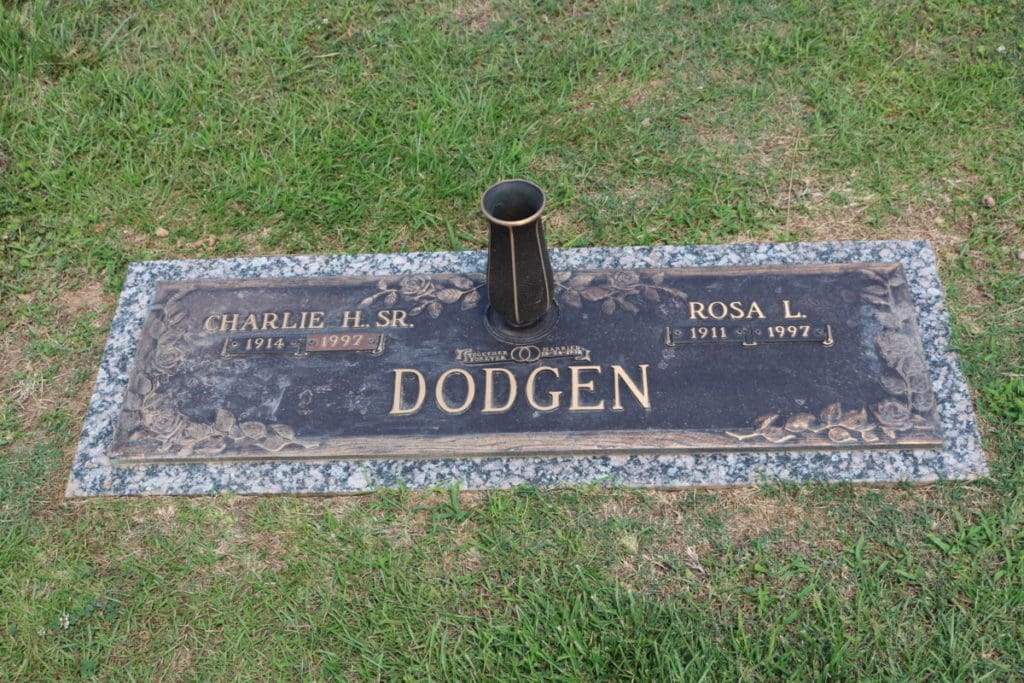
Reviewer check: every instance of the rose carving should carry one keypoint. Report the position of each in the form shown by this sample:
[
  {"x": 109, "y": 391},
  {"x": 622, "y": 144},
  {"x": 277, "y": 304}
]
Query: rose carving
[
  {"x": 415, "y": 286},
  {"x": 159, "y": 417},
  {"x": 621, "y": 289},
  {"x": 906, "y": 380},
  {"x": 427, "y": 293},
  {"x": 892, "y": 414},
  {"x": 167, "y": 358}
]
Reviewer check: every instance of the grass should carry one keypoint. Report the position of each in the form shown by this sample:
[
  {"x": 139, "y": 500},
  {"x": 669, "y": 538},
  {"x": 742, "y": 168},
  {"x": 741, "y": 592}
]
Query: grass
[{"x": 134, "y": 130}]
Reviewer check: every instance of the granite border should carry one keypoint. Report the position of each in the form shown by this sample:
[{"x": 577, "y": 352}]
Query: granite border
[{"x": 961, "y": 457}]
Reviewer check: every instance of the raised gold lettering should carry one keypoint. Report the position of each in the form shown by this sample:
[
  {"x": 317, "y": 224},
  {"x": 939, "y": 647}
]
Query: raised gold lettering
[
  {"x": 719, "y": 310},
  {"x": 262, "y": 322},
  {"x": 421, "y": 392},
  {"x": 531, "y": 396},
  {"x": 576, "y": 386},
  {"x": 642, "y": 396},
  {"x": 352, "y": 319},
  {"x": 392, "y": 318},
  {"x": 789, "y": 315},
  {"x": 439, "y": 396},
  {"x": 513, "y": 389},
  {"x": 229, "y": 323}
]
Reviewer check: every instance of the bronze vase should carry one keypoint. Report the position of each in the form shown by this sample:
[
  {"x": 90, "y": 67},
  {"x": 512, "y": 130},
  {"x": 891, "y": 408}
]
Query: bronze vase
[{"x": 519, "y": 282}]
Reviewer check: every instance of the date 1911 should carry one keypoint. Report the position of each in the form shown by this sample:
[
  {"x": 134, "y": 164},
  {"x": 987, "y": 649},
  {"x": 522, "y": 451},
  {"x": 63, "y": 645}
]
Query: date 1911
[{"x": 749, "y": 335}]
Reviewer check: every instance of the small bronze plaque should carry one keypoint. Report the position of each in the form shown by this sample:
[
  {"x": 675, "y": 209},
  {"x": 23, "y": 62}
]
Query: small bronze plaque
[{"x": 746, "y": 358}]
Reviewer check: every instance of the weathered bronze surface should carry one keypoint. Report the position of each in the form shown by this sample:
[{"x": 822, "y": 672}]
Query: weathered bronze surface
[{"x": 769, "y": 358}]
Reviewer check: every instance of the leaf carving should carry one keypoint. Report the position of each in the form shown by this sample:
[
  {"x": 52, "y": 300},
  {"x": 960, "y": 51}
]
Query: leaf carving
[
  {"x": 765, "y": 420},
  {"x": 211, "y": 446},
  {"x": 608, "y": 306},
  {"x": 595, "y": 293},
  {"x": 800, "y": 422},
  {"x": 449, "y": 296},
  {"x": 272, "y": 443},
  {"x": 253, "y": 430},
  {"x": 157, "y": 328},
  {"x": 580, "y": 280},
  {"x": 174, "y": 314},
  {"x": 855, "y": 418},
  {"x": 894, "y": 385},
  {"x": 284, "y": 430},
  {"x": 143, "y": 385},
  {"x": 434, "y": 309},
  {"x": 831, "y": 414},
  {"x": 840, "y": 435},
  {"x": 924, "y": 402},
  {"x": 573, "y": 299},
  {"x": 873, "y": 275},
  {"x": 224, "y": 421},
  {"x": 888, "y": 321}
]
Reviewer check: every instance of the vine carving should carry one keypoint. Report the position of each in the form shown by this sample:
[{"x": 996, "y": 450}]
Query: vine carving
[
  {"x": 152, "y": 415},
  {"x": 905, "y": 379}
]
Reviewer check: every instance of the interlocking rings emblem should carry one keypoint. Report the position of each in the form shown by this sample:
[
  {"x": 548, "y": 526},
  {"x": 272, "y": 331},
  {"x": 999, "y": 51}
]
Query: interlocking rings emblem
[{"x": 525, "y": 354}]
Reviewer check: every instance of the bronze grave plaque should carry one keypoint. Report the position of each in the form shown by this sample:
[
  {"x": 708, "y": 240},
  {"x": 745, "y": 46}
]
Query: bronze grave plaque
[{"x": 720, "y": 359}]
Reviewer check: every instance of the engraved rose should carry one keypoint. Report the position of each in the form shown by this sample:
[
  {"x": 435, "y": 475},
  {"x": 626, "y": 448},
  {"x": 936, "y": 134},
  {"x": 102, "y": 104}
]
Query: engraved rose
[
  {"x": 165, "y": 423},
  {"x": 416, "y": 286},
  {"x": 624, "y": 278},
  {"x": 892, "y": 413},
  {"x": 168, "y": 358}
]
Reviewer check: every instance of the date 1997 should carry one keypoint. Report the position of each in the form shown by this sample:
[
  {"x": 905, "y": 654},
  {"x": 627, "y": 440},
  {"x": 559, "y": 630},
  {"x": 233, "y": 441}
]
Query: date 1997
[
  {"x": 749, "y": 335},
  {"x": 303, "y": 345}
]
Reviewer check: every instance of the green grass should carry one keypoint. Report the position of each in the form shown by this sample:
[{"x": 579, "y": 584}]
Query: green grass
[{"x": 309, "y": 128}]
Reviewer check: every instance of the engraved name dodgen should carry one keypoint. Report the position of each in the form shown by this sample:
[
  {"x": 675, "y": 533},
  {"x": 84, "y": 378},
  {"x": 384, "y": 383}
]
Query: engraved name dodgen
[{"x": 649, "y": 360}]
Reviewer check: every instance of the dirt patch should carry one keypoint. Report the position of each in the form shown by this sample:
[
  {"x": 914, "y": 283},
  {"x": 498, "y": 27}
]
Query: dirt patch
[
  {"x": 87, "y": 299},
  {"x": 713, "y": 136},
  {"x": 475, "y": 16},
  {"x": 644, "y": 93},
  {"x": 836, "y": 212},
  {"x": 30, "y": 383},
  {"x": 42, "y": 364}
]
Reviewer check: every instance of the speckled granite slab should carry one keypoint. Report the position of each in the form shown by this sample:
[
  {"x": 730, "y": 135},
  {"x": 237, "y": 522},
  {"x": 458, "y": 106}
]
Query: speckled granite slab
[{"x": 93, "y": 473}]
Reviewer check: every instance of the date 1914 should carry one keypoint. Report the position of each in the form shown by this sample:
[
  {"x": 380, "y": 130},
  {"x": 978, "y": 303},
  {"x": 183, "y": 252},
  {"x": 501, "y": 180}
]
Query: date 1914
[{"x": 302, "y": 345}]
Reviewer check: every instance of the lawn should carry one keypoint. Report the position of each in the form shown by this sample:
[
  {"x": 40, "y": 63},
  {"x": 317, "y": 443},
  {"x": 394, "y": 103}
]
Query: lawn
[{"x": 149, "y": 130}]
